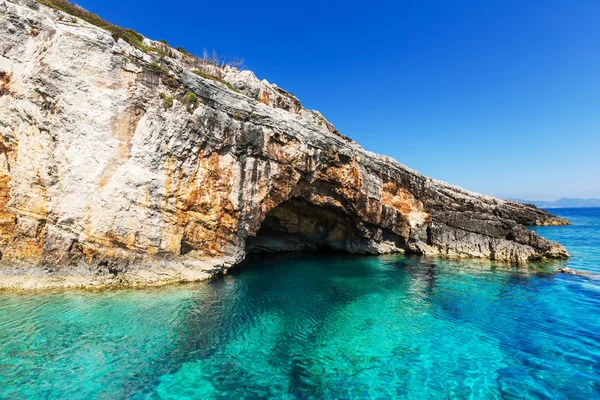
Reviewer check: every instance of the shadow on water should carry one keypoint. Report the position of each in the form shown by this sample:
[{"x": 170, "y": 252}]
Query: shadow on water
[{"x": 297, "y": 286}]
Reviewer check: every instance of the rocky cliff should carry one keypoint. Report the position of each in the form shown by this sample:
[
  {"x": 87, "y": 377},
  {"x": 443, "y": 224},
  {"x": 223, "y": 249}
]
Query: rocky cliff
[{"x": 141, "y": 164}]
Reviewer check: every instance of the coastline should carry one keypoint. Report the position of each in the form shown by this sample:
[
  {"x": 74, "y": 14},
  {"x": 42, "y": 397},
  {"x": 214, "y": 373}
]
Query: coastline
[{"x": 21, "y": 277}]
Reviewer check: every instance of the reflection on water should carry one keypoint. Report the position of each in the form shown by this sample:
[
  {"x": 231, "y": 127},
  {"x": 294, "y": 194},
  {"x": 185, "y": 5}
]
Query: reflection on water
[{"x": 329, "y": 326}]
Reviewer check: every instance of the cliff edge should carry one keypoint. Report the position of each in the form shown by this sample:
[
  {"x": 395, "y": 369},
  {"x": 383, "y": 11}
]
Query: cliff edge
[{"x": 130, "y": 162}]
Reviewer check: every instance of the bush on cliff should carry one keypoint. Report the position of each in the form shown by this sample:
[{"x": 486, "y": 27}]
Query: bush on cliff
[
  {"x": 167, "y": 100},
  {"x": 191, "y": 101},
  {"x": 154, "y": 67}
]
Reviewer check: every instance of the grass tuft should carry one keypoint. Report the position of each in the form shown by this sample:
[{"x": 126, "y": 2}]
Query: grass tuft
[
  {"x": 160, "y": 52},
  {"x": 191, "y": 101},
  {"x": 168, "y": 102},
  {"x": 154, "y": 67}
]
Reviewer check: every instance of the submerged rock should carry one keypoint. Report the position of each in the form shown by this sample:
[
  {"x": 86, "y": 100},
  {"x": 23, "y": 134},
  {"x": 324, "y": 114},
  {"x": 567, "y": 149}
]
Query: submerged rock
[
  {"x": 127, "y": 167},
  {"x": 571, "y": 271}
]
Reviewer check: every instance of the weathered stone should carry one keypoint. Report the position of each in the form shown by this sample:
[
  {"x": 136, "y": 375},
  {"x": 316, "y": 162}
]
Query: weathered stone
[{"x": 101, "y": 184}]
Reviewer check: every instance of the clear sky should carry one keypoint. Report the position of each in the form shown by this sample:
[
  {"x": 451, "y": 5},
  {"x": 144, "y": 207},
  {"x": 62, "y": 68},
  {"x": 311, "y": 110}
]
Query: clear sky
[{"x": 500, "y": 97}]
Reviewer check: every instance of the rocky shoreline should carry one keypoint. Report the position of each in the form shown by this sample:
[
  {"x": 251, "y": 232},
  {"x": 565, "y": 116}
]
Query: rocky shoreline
[
  {"x": 142, "y": 165},
  {"x": 32, "y": 278}
]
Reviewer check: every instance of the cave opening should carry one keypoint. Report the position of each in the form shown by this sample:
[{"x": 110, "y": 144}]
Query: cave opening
[{"x": 298, "y": 225}]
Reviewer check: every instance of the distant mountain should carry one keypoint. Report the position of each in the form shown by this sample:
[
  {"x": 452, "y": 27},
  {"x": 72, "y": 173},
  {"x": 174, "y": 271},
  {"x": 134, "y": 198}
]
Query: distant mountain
[{"x": 565, "y": 202}]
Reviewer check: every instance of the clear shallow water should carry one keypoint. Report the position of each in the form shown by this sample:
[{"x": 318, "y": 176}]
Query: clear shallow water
[{"x": 328, "y": 326}]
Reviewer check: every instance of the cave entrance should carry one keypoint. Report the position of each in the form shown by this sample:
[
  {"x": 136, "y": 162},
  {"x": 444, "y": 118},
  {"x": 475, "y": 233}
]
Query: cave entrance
[{"x": 298, "y": 225}]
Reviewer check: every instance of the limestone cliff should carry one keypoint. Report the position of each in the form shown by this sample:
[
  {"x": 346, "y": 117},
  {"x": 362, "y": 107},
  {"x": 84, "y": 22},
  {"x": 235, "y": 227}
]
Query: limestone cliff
[{"x": 120, "y": 165}]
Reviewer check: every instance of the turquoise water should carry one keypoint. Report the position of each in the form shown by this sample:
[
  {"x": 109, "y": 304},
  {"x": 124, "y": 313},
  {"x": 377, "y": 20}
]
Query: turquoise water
[{"x": 329, "y": 326}]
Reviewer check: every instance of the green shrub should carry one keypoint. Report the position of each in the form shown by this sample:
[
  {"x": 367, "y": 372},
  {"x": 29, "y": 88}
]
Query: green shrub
[
  {"x": 205, "y": 75},
  {"x": 160, "y": 52},
  {"x": 164, "y": 41},
  {"x": 238, "y": 116},
  {"x": 191, "y": 100},
  {"x": 154, "y": 67},
  {"x": 230, "y": 86},
  {"x": 168, "y": 102}
]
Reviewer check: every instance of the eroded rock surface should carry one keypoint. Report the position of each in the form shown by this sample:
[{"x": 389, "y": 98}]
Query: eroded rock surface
[{"x": 119, "y": 166}]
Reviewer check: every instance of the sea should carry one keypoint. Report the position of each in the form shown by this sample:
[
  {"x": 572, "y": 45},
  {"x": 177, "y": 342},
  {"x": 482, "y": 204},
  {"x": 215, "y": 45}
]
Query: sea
[{"x": 322, "y": 326}]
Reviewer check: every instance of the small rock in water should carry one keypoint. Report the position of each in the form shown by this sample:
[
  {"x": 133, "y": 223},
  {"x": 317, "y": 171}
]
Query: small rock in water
[{"x": 567, "y": 270}]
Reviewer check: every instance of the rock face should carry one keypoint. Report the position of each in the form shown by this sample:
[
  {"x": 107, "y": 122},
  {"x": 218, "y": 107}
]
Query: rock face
[{"x": 120, "y": 166}]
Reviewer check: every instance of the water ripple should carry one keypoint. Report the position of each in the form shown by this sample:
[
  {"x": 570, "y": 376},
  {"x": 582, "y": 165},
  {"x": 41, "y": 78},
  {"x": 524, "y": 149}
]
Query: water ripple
[{"x": 336, "y": 327}]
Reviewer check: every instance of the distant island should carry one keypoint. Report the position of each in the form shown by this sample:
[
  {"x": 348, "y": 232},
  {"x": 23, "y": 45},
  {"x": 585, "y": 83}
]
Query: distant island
[{"x": 565, "y": 202}]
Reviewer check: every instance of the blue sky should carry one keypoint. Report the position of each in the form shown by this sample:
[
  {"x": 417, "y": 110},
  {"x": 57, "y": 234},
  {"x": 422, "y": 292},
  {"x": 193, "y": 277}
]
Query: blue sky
[{"x": 500, "y": 97}]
